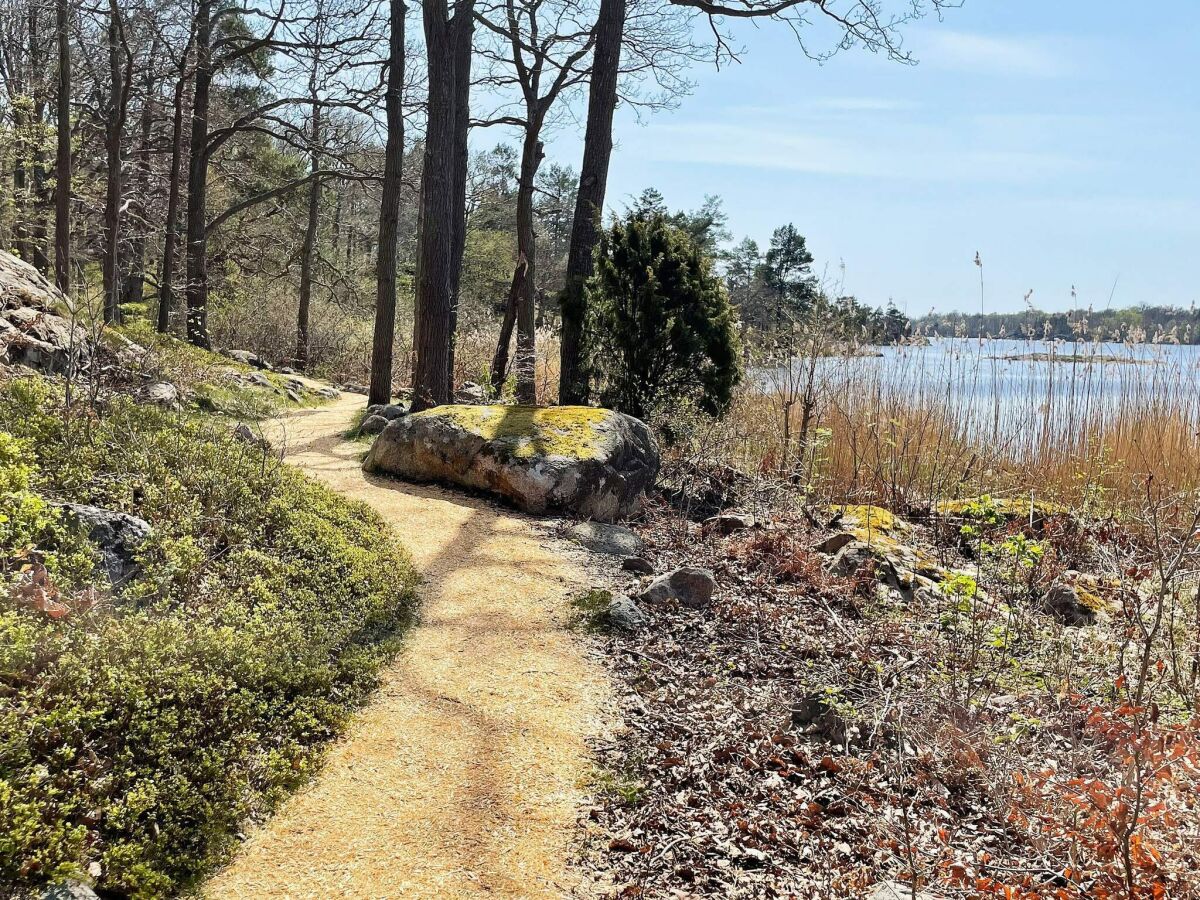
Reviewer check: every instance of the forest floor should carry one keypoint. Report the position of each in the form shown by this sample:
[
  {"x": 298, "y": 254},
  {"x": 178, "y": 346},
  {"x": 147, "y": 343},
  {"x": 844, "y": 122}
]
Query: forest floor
[{"x": 465, "y": 774}]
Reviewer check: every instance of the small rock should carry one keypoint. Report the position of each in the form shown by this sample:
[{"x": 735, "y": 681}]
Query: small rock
[
  {"x": 1064, "y": 603},
  {"x": 691, "y": 586},
  {"x": 624, "y": 614},
  {"x": 159, "y": 393},
  {"x": 394, "y": 411},
  {"x": 117, "y": 534},
  {"x": 351, "y": 387},
  {"x": 286, "y": 370},
  {"x": 260, "y": 379},
  {"x": 293, "y": 396},
  {"x": 728, "y": 523},
  {"x": 329, "y": 393},
  {"x": 470, "y": 393},
  {"x": 69, "y": 890},
  {"x": 246, "y": 435},
  {"x": 615, "y": 540},
  {"x": 637, "y": 565},
  {"x": 834, "y": 542},
  {"x": 248, "y": 358},
  {"x": 372, "y": 425}
]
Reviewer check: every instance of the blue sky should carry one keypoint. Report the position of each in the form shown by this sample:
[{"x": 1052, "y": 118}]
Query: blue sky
[{"x": 1058, "y": 138}]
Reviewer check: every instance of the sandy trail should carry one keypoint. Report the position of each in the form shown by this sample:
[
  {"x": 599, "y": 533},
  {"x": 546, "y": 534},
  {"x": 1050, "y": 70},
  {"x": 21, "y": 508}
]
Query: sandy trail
[{"x": 464, "y": 775}]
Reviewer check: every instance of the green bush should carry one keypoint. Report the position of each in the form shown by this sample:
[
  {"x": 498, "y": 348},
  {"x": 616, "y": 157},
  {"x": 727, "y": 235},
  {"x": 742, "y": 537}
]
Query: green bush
[
  {"x": 139, "y": 731},
  {"x": 660, "y": 327}
]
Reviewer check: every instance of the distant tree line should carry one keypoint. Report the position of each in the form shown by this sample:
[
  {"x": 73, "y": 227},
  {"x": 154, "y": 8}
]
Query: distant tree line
[{"x": 1140, "y": 324}]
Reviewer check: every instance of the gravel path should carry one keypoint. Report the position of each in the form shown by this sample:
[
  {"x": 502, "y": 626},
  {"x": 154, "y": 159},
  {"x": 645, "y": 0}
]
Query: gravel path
[{"x": 465, "y": 775}]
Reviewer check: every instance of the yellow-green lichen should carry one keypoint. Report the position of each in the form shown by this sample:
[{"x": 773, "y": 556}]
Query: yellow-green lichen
[
  {"x": 871, "y": 519},
  {"x": 526, "y": 432}
]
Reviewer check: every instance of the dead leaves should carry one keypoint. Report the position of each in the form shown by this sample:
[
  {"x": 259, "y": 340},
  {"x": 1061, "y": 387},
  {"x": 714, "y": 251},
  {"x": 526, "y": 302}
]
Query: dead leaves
[{"x": 36, "y": 590}]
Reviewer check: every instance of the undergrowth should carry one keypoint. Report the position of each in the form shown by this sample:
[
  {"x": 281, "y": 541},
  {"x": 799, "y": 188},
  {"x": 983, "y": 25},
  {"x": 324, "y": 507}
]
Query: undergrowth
[{"x": 138, "y": 731}]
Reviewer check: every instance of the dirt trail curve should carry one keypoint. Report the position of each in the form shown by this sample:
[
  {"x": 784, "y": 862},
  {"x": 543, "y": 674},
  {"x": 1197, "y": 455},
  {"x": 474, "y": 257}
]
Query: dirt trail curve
[{"x": 463, "y": 776}]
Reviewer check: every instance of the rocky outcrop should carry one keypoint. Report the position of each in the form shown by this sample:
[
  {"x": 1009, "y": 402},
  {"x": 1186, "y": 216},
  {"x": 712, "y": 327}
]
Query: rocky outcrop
[
  {"x": 35, "y": 325},
  {"x": 118, "y": 536},
  {"x": 594, "y": 463}
]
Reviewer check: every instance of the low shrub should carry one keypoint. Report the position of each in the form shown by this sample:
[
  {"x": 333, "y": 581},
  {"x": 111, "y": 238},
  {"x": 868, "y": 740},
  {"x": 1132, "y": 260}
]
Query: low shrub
[{"x": 138, "y": 731}]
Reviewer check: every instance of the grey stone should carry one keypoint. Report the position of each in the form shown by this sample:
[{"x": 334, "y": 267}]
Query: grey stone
[
  {"x": 36, "y": 329},
  {"x": 246, "y": 435},
  {"x": 728, "y": 523},
  {"x": 470, "y": 393},
  {"x": 594, "y": 463},
  {"x": 158, "y": 393},
  {"x": 118, "y": 535},
  {"x": 329, "y": 393},
  {"x": 690, "y": 586},
  {"x": 260, "y": 379},
  {"x": 637, "y": 565},
  {"x": 849, "y": 558},
  {"x": 293, "y": 396},
  {"x": 69, "y": 890},
  {"x": 624, "y": 614},
  {"x": 394, "y": 411},
  {"x": 373, "y": 425},
  {"x": 388, "y": 410},
  {"x": 614, "y": 540},
  {"x": 248, "y": 358},
  {"x": 1064, "y": 603}
]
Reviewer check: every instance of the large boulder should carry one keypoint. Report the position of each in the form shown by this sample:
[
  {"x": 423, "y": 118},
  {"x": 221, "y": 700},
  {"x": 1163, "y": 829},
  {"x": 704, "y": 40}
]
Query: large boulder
[
  {"x": 593, "y": 463},
  {"x": 35, "y": 321}
]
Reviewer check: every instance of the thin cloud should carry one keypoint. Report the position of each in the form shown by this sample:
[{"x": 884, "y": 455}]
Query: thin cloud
[
  {"x": 926, "y": 155},
  {"x": 1034, "y": 57}
]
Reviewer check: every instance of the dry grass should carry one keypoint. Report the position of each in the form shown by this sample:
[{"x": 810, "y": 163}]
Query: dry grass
[{"x": 909, "y": 430}]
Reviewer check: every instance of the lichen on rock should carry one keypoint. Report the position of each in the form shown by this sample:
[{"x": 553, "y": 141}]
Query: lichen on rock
[{"x": 594, "y": 463}]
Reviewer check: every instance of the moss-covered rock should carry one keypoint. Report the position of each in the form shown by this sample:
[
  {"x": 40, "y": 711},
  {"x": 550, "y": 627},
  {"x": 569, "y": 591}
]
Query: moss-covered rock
[{"x": 594, "y": 463}]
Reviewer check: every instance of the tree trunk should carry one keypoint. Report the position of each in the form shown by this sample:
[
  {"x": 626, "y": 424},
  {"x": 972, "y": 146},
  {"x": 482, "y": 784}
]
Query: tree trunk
[
  {"x": 166, "y": 284},
  {"x": 197, "y": 240},
  {"x": 310, "y": 242},
  {"x": 500, "y": 359},
  {"x": 384, "y": 340},
  {"x": 589, "y": 204},
  {"x": 62, "y": 174},
  {"x": 526, "y": 359},
  {"x": 462, "y": 125},
  {"x": 135, "y": 282},
  {"x": 436, "y": 247},
  {"x": 112, "y": 196}
]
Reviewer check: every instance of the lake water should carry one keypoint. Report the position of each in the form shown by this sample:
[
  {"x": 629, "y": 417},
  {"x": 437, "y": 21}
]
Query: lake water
[{"x": 992, "y": 395}]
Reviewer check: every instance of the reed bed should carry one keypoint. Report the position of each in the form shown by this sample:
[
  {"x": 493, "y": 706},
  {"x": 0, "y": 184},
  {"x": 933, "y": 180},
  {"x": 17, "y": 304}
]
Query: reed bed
[{"x": 1082, "y": 424}]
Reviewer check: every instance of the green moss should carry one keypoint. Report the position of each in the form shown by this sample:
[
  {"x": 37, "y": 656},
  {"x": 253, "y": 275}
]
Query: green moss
[
  {"x": 591, "y": 609},
  {"x": 526, "y": 432},
  {"x": 141, "y": 734}
]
